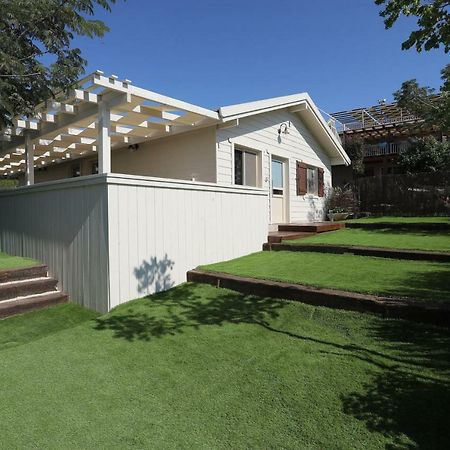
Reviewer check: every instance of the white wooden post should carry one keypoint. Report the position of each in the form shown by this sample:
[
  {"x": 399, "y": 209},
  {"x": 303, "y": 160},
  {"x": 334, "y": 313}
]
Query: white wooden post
[
  {"x": 104, "y": 138},
  {"x": 29, "y": 160}
]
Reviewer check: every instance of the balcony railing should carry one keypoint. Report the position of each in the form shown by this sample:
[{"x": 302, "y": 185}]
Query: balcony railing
[{"x": 388, "y": 148}]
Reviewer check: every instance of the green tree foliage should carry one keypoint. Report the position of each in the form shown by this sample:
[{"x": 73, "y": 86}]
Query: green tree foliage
[
  {"x": 433, "y": 21},
  {"x": 425, "y": 155},
  {"x": 426, "y": 103},
  {"x": 36, "y": 57},
  {"x": 355, "y": 149}
]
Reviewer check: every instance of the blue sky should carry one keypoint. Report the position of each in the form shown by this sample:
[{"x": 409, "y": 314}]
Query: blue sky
[{"x": 214, "y": 53}]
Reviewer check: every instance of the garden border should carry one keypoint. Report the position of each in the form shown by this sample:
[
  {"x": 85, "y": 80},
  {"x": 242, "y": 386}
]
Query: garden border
[
  {"x": 401, "y": 308},
  {"x": 381, "y": 252}
]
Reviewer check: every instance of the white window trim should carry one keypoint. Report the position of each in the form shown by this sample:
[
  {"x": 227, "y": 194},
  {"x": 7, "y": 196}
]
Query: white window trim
[{"x": 259, "y": 164}]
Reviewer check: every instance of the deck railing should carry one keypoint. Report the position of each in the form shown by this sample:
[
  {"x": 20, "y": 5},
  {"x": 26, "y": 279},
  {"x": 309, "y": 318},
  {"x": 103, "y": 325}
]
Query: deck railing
[{"x": 388, "y": 148}]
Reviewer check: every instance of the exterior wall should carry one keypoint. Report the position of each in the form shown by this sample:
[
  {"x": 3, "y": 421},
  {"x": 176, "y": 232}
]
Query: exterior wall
[
  {"x": 112, "y": 238},
  {"x": 183, "y": 157},
  {"x": 64, "y": 225},
  {"x": 260, "y": 132},
  {"x": 159, "y": 229}
]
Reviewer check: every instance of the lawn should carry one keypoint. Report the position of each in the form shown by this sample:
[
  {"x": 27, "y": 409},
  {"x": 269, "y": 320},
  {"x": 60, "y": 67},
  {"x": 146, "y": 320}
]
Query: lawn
[
  {"x": 381, "y": 276},
  {"x": 399, "y": 219},
  {"x": 387, "y": 238},
  {"x": 15, "y": 262},
  {"x": 200, "y": 367}
]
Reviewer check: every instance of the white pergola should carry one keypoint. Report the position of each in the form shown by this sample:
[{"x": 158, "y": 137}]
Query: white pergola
[{"x": 100, "y": 114}]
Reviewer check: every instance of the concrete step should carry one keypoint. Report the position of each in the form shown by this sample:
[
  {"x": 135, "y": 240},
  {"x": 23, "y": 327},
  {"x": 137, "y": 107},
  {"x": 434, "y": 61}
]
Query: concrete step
[
  {"x": 9, "y": 275},
  {"x": 22, "y": 288},
  {"x": 21, "y": 305}
]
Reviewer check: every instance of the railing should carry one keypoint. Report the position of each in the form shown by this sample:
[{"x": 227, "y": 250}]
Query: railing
[
  {"x": 388, "y": 148},
  {"x": 369, "y": 122}
]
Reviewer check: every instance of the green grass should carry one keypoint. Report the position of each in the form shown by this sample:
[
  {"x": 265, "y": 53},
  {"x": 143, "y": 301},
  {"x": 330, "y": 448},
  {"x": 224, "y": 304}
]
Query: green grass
[
  {"x": 387, "y": 238},
  {"x": 205, "y": 368},
  {"x": 15, "y": 262},
  {"x": 399, "y": 219},
  {"x": 381, "y": 276}
]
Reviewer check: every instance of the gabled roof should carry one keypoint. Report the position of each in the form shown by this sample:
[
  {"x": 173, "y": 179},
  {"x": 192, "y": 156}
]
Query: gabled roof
[{"x": 301, "y": 104}]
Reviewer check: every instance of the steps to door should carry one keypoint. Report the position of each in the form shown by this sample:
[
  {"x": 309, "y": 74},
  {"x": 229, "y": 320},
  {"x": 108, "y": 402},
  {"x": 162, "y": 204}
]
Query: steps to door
[
  {"x": 291, "y": 231},
  {"x": 26, "y": 289}
]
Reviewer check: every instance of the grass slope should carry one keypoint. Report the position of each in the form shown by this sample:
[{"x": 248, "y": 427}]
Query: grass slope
[
  {"x": 15, "y": 262},
  {"x": 381, "y": 276},
  {"x": 199, "y": 367},
  {"x": 388, "y": 238},
  {"x": 399, "y": 219}
]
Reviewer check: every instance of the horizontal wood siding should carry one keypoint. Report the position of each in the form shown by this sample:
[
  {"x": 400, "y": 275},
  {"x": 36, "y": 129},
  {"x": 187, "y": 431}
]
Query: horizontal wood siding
[
  {"x": 64, "y": 225},
  {"x": 260, "y": 132},
  {"x": 160, "y": 229}
]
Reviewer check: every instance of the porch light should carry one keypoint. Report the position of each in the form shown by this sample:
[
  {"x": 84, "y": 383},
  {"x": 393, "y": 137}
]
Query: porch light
[{"x": 283, "y": 129}]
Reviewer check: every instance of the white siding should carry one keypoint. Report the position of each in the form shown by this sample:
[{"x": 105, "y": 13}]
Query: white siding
[
  {"x": 160, "y": 229},
  {"x": 260, "y": 132},
  {"x": 63, "y": 224}
]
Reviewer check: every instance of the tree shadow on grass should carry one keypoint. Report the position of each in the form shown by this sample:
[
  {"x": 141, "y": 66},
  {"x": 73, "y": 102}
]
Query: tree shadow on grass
[
  {"x": 410, "y": 402},
  {"x": 430, "y": 286},
  {"x": 170, "y": 312}
]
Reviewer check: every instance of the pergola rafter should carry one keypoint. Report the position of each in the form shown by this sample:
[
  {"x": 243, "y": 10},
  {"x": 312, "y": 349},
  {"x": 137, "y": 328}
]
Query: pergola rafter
[{"x": 101, "y": 113}]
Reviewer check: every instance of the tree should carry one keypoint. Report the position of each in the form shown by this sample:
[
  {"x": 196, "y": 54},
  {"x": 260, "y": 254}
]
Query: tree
[
  {"x": 424, "y": 102},
  {"x": 355, "y": 149},
  {"x": 425, "y": 155},
  {"x": 433, "y": 21},
  {"x": 36, "y": 58}
]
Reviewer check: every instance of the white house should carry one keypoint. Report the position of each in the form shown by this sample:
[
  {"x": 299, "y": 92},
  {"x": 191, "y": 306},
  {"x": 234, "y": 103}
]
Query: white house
[{"x": 125, "y": 189}]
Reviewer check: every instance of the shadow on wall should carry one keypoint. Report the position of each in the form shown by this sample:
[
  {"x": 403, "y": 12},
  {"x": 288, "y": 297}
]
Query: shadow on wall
[{"x": 154, "y": 275}]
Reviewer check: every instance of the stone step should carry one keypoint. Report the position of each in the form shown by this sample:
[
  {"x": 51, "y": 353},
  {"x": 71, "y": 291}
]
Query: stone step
[
  {"x": 27, "y": 287},
  {"x": 24, "y": 273},
  {"x": 21, "y": 305}
]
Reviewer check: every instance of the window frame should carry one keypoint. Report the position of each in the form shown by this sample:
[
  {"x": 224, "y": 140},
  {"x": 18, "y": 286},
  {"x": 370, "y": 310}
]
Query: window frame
[
  {"x": 257, "y": 154},
  {"x": 316, "y": 181}
]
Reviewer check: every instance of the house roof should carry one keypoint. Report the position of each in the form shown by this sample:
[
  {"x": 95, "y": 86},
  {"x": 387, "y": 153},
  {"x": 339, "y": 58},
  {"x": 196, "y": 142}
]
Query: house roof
[
  {"x": 302, "y": 105},
  {"x": 67, "y": 127}
]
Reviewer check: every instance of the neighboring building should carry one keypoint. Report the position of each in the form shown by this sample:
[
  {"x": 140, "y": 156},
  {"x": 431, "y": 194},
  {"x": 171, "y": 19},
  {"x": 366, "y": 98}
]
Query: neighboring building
[
  {"x": 134, "y": 188},
  {"x": 386, "y": 130}
]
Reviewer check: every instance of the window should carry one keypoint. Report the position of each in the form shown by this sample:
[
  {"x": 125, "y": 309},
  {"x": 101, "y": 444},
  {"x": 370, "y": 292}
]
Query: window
[
  {"x": 277, "y": 177},
  {"x": 312, "y": 183},
  {"x": 245, "y": 167},
  {"x": 94, "y": 168}
]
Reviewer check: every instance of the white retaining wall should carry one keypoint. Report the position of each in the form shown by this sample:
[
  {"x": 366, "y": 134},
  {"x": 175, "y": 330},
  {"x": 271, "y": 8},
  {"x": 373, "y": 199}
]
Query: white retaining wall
[{"x": 111, "y": 238}]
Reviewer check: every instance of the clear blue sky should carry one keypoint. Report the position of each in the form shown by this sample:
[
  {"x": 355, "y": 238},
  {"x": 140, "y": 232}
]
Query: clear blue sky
[{"x": 214, "y": 53}]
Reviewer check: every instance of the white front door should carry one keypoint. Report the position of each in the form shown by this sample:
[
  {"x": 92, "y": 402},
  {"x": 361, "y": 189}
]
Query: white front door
[{"x": 278, "y": 191}]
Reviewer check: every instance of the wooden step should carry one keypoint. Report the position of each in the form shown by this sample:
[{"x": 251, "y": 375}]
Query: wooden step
[
  {"x": 315, "y": 227},
  {"x": 27, "y": 287},
  {"x": 24, "y": 273},
  {"x": 24, "y": 304},
  {"x": 275, "y": 237}
]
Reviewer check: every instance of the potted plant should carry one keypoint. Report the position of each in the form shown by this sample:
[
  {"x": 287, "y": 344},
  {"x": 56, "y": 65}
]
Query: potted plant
[{"x": 341, "y": 203}]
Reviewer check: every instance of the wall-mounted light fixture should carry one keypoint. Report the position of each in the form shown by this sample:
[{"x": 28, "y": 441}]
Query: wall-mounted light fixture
[{"x": 284, "y": 128}]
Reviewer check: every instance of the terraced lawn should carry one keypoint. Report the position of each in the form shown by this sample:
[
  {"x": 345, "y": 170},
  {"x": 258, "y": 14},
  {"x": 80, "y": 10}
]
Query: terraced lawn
[
  {"x": 15, "y": 262},
  {"x": 381, "y": 276},
  {"x": 399, "y": 219},
  {"x": 387, "y": 238},
  {"x": 200, "y": 367}
]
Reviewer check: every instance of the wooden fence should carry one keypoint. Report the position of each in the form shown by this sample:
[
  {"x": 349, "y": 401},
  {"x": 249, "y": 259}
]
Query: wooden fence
[{"x": 416, "y": 194}]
